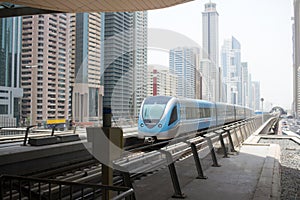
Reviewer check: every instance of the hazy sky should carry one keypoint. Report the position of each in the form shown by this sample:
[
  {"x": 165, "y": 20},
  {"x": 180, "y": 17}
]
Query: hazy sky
[{"x": 263, "y": 27}]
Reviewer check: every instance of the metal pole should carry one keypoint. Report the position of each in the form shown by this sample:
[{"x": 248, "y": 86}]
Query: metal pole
[
  {"x": 174, "y": 177},
  {"x": 197, "y": 161},
  {"x": 241, "y": 133},
  {"x": 53, "y": 129},
  {"x": 236, "y": 136},
  {"x": 212, "y": 153},
  {"x": 26, "y": 134},
  {"x": 230, "y": 141},
  {"x": 223, "y": 146},
  {"x": 127, "y": 183},
  {"x": 107, "y": 172},
  {"x": 262, "y": 110}
]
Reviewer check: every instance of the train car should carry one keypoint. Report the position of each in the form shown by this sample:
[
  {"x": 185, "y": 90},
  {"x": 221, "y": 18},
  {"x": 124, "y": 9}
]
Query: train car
[
  {"x": 225, "y": 113},
  {"x": 165, "y": 117},
  {"x": 249, "y": 112},
  {"x": 239, "y": 112}
]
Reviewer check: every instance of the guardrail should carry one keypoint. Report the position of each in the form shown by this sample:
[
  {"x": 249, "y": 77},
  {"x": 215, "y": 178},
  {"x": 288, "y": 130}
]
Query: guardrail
[
  {"x": 18, "y": 187},
  {"x": 226, "y": 138}
]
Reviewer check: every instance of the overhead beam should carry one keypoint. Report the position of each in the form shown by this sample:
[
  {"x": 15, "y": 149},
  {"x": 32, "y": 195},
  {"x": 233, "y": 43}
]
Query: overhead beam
[
  {"x": 22, "y": 11},
  {"x": 75, "y": 6}
]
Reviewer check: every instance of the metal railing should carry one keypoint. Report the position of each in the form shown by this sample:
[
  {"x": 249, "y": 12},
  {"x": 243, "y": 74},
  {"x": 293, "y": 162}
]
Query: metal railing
[
  {"x": 225, "y": 137},
  {"x": 18, "y": 187}
]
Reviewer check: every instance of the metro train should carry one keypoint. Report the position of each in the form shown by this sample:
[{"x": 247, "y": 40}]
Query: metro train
[{"x": 166, "y": 117}]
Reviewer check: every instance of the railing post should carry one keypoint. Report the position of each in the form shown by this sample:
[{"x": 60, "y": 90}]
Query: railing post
[
  {"x": 223, "y": 145},
  {"x": 127, "y": 182},
  {"x": 197, "y": 162},
  {"x": 174, "y": 177},
  {"x": 26, "y": 134},
  {"x": 230, "y": 141},
  {"x": 212, "y": 152},
  {"x": 254, "y": 124},
  {"x": 241, "y": 132},
  {"x": 1, "y": 187},
  {"x": 246, "y": 130},
  {"x": 236, "y": 136},
  {"x": 53, "y": 129},
  {"x": 250, "y": 125}
]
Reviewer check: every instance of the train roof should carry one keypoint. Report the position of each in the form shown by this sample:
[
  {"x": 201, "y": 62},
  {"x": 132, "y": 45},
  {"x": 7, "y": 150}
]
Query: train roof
[{"x": 196, "y": 101}]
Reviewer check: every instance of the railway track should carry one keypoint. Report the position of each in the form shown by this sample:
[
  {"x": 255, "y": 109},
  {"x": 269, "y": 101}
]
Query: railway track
[{"x": 137, "y": 163}]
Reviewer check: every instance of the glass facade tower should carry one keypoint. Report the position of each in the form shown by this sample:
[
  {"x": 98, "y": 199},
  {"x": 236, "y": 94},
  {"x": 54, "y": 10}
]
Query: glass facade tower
[
  {"x": 88, "y": 91},
  {"x": 182, "y": 62},
  {"x": 10, "y": 64},
  {"x": 118, "y": 64}
]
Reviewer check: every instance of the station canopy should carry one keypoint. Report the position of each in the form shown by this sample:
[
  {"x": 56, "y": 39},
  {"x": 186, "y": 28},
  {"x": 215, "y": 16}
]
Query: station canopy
[{"x": 23, "y": 7}]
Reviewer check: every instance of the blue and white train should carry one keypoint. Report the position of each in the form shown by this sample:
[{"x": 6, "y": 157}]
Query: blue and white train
[{"x": 165, "y": 117}]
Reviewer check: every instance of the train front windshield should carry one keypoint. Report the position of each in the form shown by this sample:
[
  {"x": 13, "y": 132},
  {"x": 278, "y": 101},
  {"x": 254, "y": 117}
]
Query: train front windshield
[{"x": 154, "y": 108}]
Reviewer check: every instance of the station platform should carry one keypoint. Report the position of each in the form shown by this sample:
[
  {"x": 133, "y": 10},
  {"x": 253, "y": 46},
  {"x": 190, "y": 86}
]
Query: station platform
[{"x": 253, "y": 173}]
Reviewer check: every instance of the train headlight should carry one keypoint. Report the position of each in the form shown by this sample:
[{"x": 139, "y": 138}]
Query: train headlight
[
  {"x": 142, "y": 125},
  {"x": 159, "y": 125}
]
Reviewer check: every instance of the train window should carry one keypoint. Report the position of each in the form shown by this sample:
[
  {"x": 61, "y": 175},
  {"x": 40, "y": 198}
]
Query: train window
[
  {"x": 206, "y": 112},
  {"x": 153, "y": 111},
  {"x": 173, "y": 117},
  {"x": 198, "y": 113}
]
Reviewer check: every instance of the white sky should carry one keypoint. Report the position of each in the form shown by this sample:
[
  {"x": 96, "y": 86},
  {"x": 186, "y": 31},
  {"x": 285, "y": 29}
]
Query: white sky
[{"x": 263, "y": 27}]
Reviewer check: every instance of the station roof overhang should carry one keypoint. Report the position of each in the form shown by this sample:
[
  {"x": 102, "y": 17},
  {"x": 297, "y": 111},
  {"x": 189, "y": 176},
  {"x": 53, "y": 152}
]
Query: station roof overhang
[{"x": 11, "y": 8}]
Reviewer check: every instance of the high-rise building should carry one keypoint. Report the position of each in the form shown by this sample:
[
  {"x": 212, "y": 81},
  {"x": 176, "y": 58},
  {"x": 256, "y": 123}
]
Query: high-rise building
[
  {"x": 118, "y": 64},
  {"x": 87, "y": 90},
  {"x": 10, "y": 65},
  {"x": 140, "y": 36},
  {"x": 245, "y": 84},
  {"x": 210, "y": 54},
  {"x": 251, "y": 102},
  {"x": 161, "y": 82},
  {"x": 296, "y": 58},
  {"x": 72, "y": 50},
  {"x": 256, "y": 95},
  {"x": 182, "y": 62},
  {"x": 232, "y": 71},
  {"x": 45, "y": 68},
  {"x": 198, "y": 78}
]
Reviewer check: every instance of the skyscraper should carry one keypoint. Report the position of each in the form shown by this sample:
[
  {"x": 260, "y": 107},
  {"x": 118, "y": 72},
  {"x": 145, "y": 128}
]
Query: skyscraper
[
  {"x": 45, "y": 68},
  {"x": 232, "y": 71},
  {"x": 10, "y": 65},
  {"x": 182, "y": 62},
  {"x": 140, "y": 33},
  {"x": 87, "y": 92},
  {"x": 256, "y": 95},
  {"x": 210, "y": 54},
  {"x": 245, "y": 84},
  {"x": 118, "y": 64},
  {"x": 296, "y": 58}
]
